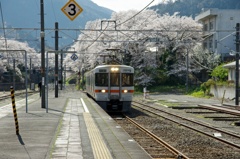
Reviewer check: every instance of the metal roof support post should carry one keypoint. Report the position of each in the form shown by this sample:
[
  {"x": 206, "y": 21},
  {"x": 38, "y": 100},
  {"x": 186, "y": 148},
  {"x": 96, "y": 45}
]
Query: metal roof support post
[
  {"x": 42, "y": 35},
  {"x": 56, "y": 60},
  {"x": 237, "y": 66}
]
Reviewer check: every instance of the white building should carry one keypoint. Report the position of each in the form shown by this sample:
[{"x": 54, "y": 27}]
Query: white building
[
  {"x": 231, "y": 70},
  {"x": 219, "y": 30}
]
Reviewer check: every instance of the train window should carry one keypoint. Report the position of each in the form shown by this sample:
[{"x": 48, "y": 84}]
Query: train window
[
  {"x": 115, "y": 79},
  {"x": 101, "y": 79},
  {"x": 127, "y": 79}
]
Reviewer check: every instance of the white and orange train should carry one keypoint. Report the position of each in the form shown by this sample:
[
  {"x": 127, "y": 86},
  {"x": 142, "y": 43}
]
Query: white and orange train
[{"x": 111, "y": 86}]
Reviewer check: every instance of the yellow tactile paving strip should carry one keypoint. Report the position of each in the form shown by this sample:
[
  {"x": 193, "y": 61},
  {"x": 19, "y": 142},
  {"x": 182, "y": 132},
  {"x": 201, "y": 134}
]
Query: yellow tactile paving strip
[{"x": 99, "y": 147}]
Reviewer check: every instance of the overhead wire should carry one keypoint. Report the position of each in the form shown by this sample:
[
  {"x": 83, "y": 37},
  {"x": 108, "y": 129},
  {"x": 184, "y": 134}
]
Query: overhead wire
[
  {"x": 96, "y": 38},
  {"x": 119, "y": 24},
  {"x": 136, "y": 13},
  {"x": 139, "y": 13},
  {"x": 129, "y": 36}
]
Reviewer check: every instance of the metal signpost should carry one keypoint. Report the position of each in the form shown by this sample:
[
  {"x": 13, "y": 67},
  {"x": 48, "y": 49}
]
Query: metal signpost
[
  {"x": 237, "y": 65},
  {"x": 56, "y": 52}
]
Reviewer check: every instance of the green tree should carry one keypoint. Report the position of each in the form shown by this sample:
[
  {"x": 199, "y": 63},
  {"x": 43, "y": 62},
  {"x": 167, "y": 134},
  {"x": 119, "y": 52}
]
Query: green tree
[{"x": 220, "y": 73}]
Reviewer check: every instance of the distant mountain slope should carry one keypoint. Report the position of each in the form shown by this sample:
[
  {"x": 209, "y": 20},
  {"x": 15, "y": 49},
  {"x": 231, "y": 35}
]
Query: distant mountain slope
[
  {"x": 194, "y": 7},
  {"x": 26, "y": 14}
]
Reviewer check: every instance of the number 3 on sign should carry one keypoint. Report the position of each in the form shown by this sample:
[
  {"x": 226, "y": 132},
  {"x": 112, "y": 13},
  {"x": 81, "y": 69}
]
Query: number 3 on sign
[{"x": 71, "y": 9}]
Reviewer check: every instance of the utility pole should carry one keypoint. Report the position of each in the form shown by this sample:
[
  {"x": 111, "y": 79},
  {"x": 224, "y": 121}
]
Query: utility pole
[
  {"x": 61, "y": 72},
  {"x": 56, "y": 60},
  {"x": 42, "y": 34},
  {"x": 14, "y": 73},
  {"x": 237, "y": 66},
  {"x": 187, "y": 73},
  {"x": 30, "y": 74},
  {"x": 4, "y": 32}
]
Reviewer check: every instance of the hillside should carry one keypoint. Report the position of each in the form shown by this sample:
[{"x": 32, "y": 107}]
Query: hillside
[
  {"x": 194, "y": 7},
  {"x": 26, "y": 14}
]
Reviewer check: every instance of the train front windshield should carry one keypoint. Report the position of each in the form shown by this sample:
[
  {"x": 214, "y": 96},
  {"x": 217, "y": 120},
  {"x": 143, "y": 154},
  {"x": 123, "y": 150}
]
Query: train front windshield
[
  {"x": 101, "y": 79},
  {"x": 127, "y": 79},
  {"x": 115, "y": 79}
]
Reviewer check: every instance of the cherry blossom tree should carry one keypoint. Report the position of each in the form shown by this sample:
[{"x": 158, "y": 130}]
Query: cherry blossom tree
[
  {"x": 135, "y": 35},
  {"x": 16, "y": 51}
]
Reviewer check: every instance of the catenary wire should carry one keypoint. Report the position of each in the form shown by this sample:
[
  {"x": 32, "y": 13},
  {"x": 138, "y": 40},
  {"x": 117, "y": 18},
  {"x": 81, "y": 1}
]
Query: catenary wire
[{"x": 119, "y": 24}]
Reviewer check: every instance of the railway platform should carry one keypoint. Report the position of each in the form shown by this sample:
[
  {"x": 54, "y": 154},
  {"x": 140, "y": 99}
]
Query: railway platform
[{"x": 74, "y": 127}]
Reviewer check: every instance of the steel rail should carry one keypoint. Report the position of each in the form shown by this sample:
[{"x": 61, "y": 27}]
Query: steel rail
[
  {"x": 16, "y": 94},
  {"x": 196, "y": 122},
  {"x": 208, "y": 126},
  {"x": 224, "y": 110},
  {"x": 159, "y": 140}
]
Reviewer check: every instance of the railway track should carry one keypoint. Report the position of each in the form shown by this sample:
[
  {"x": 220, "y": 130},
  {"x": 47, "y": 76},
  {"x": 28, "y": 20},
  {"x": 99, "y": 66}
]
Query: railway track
[
  {"x": 222, "y": 109},
  {"x": 16, "y": 94},
  {"x": 6, "y": 98},
  {"x": 212, "y": 131},
  {"x": 154, "y": 145}
]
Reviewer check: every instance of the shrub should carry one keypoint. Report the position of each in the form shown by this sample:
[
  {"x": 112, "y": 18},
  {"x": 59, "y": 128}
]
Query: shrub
[
  {"x": 220, "y": 73},
  {"x": 205, "y": 87}
]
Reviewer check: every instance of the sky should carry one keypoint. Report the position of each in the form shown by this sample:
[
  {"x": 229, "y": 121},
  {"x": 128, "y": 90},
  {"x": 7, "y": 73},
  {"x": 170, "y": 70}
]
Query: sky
[{"x": 124, "y": 5}]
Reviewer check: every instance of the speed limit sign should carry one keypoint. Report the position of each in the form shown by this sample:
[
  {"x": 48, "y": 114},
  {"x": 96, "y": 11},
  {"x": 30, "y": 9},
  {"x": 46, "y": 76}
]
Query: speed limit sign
[{"x": 71, "y": 9}]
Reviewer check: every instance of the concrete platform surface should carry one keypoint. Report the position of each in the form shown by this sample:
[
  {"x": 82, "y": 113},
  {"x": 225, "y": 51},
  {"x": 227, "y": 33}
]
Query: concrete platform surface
[{"x": 72, "y": 127}]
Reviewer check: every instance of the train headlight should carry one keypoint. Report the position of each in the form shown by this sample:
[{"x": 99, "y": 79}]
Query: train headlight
[
  {"x": 114, "y": 69},
  {"x": 103, "y": 91},
  {"x": 125, "y": 91}
]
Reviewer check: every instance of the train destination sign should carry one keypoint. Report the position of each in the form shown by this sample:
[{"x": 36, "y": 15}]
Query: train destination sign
[{"x": 72, "y": 9}]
